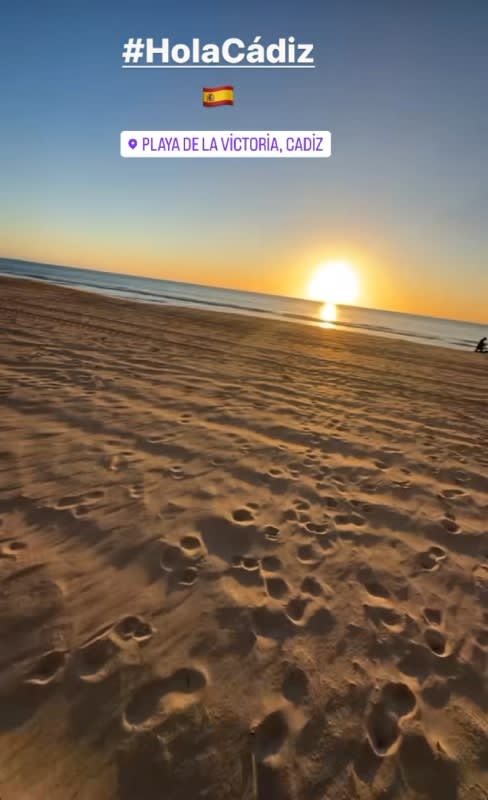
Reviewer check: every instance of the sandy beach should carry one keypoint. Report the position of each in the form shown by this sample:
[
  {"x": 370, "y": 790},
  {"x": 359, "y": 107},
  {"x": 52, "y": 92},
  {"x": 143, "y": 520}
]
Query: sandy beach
[{"x": 238, "y": 558}]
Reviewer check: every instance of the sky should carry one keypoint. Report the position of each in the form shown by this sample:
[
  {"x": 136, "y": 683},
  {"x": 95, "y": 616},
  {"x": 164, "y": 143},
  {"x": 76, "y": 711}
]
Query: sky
[{"x": 401, "y": 85}]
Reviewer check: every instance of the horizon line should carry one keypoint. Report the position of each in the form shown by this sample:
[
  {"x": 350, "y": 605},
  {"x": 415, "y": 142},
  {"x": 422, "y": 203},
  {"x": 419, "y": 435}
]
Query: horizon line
[{"x": 245, "y": 291}]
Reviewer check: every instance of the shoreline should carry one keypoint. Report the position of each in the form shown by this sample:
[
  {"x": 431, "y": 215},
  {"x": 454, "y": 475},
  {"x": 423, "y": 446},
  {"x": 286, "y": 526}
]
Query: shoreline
[
  {"x": 222, "y": 288},
  {"x": 187, "y": 306},
  {"x": 296, "y": 312}
]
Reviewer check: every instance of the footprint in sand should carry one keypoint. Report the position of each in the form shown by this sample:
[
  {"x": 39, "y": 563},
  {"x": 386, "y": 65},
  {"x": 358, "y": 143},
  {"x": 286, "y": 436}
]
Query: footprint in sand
[
  {"x": 180, "y": 562},
  {"x": 452, "y": 494},
  {"x": 11, "y": 549},
  {"x": 173, "y": 558},
  {"x": 327, "y": 541},
  {"x": 48, "y": 668},
  {"x": 343, "y": 519},
  {"x": 307, "y": 554},
  {"x": 383, "y": 724},
  {"x": 300, "y": 504},
  {"x": 191, "y": 544},
  {"x": 81, "y": 511},
  {"x": 245, "y": 570},
  {"x": 433, "y": 616},
  {"x": 152, "y": 700},
  {"x": 450, "y": 525},
  {"x": 321, "y": 622},
  {"x": 436, "y": 641},
  {"x": 296, "y": 608},
  {"x": 399, "y": 698},
  {"x": 271, "y": 533},
  {"x": 461, "y": 477},
  {"x": 93, "y": 661},
  {"x": 247, "y": 563},
  {"x": 310, "y": 585},
  {"x": 376, "y": 589},
  {"x": 316, "y": 527},
  {"x": 431, "y": 771},
  {"x": 271, "y": 564},
  {"x": 243, "y": 515},
  {"x": 85, "y": 499},
  {"x": 432, "y": 558},
  {"x": 295, "y": 686},
  {"x": 135, "y": 628},
  {"x": 269, "y": 735},
  {"x": 188, "y": 576},
  {"x": 276, "y": 587},
  {"x": 330, "y": 502},
  {"x": 384, "y": 615},
  {"x": 373, "y": 586},
  {"x": 271, "y": 623}
]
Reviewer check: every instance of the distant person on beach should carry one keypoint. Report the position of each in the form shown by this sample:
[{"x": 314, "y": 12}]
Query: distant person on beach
[{"x": 481, "y": 346}]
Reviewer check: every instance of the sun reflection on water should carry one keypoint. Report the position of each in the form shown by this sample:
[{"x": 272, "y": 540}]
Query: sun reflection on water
[{"x": 328, "y": 315}]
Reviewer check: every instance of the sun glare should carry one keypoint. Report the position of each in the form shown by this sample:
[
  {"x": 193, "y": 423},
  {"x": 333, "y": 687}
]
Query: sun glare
[
  {"x": 328, "y": 314},
  {"x": 335, "y": 282}
]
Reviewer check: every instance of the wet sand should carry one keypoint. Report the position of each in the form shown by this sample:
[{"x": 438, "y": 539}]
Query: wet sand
[{"x": 238, "y": 558}]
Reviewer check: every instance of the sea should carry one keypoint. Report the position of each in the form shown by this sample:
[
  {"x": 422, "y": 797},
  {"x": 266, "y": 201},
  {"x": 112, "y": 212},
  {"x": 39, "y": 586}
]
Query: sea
[{"x": 455, "y": 334}]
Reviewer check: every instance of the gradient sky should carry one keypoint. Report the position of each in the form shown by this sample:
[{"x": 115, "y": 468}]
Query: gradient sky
[{"x": 402, "y": 85}]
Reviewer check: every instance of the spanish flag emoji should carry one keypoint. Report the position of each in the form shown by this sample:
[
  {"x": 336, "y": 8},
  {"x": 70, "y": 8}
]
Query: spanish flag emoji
[{"x": 218, "y": 96}]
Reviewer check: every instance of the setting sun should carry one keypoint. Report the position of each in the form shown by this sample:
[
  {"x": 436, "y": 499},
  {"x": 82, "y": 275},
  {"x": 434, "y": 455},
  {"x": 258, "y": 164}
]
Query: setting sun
[{"x": 334, "y": 282}]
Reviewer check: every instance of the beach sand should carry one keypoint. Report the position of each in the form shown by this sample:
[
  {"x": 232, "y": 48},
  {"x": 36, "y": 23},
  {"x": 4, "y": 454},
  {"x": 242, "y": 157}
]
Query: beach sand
[{"x": 239, "y": 558}]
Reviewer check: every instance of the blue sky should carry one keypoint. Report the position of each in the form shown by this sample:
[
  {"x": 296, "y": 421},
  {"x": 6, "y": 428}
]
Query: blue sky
[{"x": 401, "y": 85}]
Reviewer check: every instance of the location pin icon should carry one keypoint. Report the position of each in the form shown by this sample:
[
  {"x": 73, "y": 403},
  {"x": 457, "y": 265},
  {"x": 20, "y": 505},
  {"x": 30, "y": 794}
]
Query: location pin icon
[{"x": 132, "y": 143}]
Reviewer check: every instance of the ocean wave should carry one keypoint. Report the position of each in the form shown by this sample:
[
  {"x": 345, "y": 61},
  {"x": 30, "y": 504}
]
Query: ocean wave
[{"x": 424, "y": 330}]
